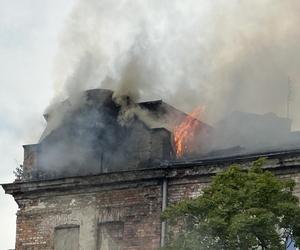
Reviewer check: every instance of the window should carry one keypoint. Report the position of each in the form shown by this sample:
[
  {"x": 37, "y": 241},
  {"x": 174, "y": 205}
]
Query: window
[
  {"x": 110, "y": 235},
  {"x": 66, "y": 237}
]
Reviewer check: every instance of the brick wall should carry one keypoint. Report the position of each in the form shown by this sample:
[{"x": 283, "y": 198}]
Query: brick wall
[
  {"x": 138, "y": 209},
  {"x": 120, "y": 208}
]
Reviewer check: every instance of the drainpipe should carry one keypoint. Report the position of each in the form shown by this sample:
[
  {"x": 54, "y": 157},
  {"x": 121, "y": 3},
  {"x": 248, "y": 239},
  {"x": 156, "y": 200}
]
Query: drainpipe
[{"x": 163, "y": 207}]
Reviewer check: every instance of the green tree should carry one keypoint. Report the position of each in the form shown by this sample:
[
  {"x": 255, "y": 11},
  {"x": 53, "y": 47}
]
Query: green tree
[{"x": 241, "y": 209}]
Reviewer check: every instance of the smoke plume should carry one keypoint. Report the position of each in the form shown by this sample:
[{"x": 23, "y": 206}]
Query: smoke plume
[
  {"x": 238, "y": 59},
  {"x": 226, "y": 55}
]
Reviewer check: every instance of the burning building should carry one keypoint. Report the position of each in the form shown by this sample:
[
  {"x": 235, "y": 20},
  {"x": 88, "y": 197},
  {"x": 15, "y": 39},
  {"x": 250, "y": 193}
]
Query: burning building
[
  {"x": 106, "y": 166},
  {"x": 105, "y": 132}
]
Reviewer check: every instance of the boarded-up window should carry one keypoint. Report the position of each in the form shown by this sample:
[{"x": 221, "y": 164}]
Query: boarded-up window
[
  {"x": 110, "y": 235},
  {"x": 66, "y": 238}
]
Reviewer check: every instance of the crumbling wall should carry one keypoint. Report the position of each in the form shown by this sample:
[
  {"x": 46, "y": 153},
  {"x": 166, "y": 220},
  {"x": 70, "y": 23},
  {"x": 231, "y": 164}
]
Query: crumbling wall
[
  {"x": 118, "y": 219},
  {"x": 120, "y": 210},
  {"x": 136, "y": 210},
  {"x": 30, "y": 160}
]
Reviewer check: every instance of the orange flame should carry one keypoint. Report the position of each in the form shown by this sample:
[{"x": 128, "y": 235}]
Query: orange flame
[{"x": 184, "y": 134}]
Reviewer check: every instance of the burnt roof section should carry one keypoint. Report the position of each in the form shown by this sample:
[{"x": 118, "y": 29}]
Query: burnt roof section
[
  {"x": 86, "y": 134},
  {"x": 168, "y": 115},
  {"x": 163, "y": 114},
  {"x": 151, "y": 105}
]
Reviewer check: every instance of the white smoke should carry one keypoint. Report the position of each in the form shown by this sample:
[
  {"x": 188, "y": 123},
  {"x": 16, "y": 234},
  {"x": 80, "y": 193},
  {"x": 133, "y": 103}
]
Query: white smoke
[{"x": 226, "y": 55}]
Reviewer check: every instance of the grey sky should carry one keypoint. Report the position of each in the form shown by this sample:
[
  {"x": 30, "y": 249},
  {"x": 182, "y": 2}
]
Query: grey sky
[{"x": 28, "y": 42}]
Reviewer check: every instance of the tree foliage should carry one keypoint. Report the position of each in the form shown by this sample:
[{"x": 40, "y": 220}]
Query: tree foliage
[{"x": 241, "y": 209}]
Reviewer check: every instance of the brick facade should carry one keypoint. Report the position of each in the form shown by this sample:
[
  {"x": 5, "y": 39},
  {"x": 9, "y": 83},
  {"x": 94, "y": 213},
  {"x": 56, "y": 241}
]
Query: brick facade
[
  {"x": 119, "y": 210},
  {"x": 138, "y": 209}
]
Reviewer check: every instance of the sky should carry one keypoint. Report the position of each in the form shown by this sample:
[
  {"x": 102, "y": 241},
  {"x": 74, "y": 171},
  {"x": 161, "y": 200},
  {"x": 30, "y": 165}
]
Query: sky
[{"x": 29, "y": 35}]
